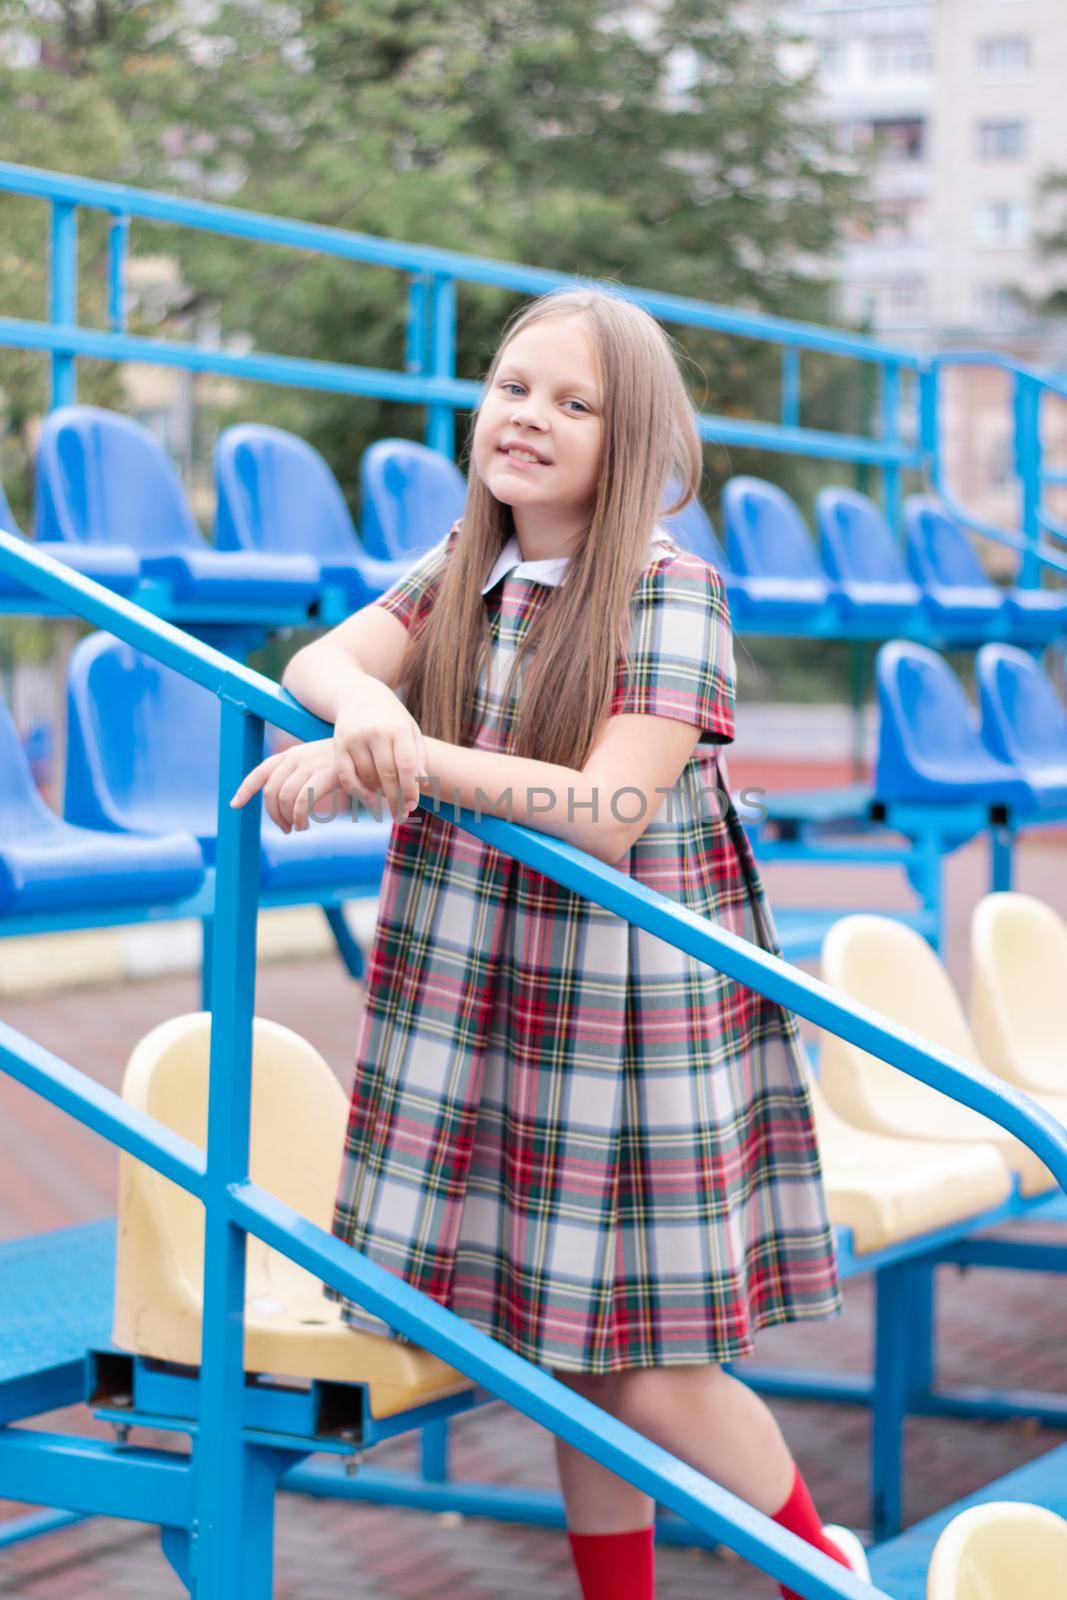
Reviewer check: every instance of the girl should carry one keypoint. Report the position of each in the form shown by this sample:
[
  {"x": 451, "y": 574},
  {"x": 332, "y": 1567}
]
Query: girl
[{"x": 589, "y": 1144}]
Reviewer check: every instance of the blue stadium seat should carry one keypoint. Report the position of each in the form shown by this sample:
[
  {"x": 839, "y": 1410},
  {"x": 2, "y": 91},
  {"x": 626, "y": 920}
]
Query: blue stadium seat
[
  {"x": 103, "y": 479},
  {"x": 410, "y": 497},
  {"x": 1023, "y": 719},
  {"x": 112, "y": 565},
  {"x": 962, "y": 598},
  {"x": 930, "y": 746},
  {"x": 49, "y": 866},
  {"x": 692, "y": 528},
  {"x": 277, "y": 494},
  {"x": 861, "y": 554},
  {"x": 778, "y": 576},
  {"x": 143, "y": 757}
]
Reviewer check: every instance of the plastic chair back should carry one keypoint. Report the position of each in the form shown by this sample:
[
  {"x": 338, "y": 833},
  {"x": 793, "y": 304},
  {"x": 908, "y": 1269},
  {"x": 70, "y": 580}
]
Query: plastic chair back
[
  {"x": 411, "y": 496},
  {"x": 693, "y": 530},
  {"x": 142, "y": 743},
  {"x": 939, "y": 550},
  {"x": 104, "y": 479},
  {"x": 1023, "y": 720},
  {"x": 882, "y": 963},
  {"x": 299, "y": 1114},
  {"x": 1002, "y": 1550},
  {"x": 276, "y": 493},
  {"x": 858, "y": 545},
  {"x": 930, "y": 747},
  {"x": 1019, "y": 990},
  {"x": 765, "y": 533}
]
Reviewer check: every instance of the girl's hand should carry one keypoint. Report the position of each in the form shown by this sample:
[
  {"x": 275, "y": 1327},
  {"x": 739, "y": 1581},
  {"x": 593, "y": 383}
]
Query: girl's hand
[
  {"x": 291, "y": 780},
  {"x": 379, "y": 748}
]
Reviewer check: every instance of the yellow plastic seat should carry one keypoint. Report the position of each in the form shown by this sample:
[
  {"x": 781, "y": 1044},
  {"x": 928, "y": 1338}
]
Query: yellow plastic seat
[
  {"x": 888, "y": 966},
  {"x": 1019, "y": 991},
  {"x": 299, "y": 1120},
  {"x": 888, "y": 1190},
  {"x": 1001, "y": 1551}
]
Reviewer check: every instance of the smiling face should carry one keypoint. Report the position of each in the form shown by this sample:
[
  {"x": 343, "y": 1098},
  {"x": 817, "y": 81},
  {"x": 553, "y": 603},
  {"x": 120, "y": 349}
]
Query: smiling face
[{"x": 539, "y": 432}]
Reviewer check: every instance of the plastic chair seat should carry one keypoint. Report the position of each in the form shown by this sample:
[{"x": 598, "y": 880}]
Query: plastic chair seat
[
  {"x": 1037, "y": 615},
  {"x": 50, "y": 865},
  {"x": 297, "y": 1133},
  {"x": 116, "y": 566},
  {"x": 884, "y": 964},
  {"x": 236, "y": 577},
  {"x": 960, "y": 595},
  {"x": 888, "y": 1190},
  {"x": 888, "y": 605}
]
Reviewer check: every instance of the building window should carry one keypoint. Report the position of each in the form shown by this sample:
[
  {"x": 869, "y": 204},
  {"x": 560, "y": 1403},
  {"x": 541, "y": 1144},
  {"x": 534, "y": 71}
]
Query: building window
[
  {"x": 997, "y": 306},
  {"x": 900, "y": 140},
  {"x": 901, "y": 302},
  {"x": 1002, "y": 222},
  {"x": 891, "y": 55},
  {"x": 1004, "y": 58},
  {"x": 1001, "y": 141},
  {"x": 833, "y": 57}
]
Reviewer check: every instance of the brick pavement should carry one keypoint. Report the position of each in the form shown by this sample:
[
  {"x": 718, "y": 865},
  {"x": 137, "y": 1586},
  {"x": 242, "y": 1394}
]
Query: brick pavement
[{"x": 995, "y": 1327}]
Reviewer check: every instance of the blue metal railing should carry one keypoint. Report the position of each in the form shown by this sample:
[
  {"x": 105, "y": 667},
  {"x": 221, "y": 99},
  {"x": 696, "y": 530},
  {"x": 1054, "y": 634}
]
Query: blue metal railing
[
  {"x": 235, "y": 1207},
  {"x": 1031, "y": 393},
  {"x": 429, "y": 377},
  {"x": 430, "y": 335}
]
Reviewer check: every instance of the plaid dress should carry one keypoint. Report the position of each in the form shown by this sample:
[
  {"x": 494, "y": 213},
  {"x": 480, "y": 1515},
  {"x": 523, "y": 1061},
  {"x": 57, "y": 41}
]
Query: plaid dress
[{"x": 582, "y": 1140}]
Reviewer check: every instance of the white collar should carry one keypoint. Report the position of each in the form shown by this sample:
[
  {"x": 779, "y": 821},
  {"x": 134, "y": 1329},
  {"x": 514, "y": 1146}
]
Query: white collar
[{"x": 550, "y": 570}]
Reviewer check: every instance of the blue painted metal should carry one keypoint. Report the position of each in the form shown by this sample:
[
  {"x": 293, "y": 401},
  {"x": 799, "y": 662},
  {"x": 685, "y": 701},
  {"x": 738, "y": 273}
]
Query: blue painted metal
[
  {"x": 118, "y": 247},
  {"x": 63, "y": 295}
]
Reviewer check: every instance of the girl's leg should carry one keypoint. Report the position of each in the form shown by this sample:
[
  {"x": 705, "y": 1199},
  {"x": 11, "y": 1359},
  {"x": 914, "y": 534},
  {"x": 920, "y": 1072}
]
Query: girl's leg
[
  {"x": 609, "y": 1522},
  {"x": 718, "y": 1425}
]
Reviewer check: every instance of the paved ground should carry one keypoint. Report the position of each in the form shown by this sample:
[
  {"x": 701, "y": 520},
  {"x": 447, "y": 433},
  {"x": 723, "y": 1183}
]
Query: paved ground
[{"x": 993, "y": 1326}]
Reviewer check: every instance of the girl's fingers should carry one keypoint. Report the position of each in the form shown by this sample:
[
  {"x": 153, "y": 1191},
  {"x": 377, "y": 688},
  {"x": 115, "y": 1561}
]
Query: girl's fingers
[
  {"x": 320, "y": 786},
  {"x": 254, "y": 780}
]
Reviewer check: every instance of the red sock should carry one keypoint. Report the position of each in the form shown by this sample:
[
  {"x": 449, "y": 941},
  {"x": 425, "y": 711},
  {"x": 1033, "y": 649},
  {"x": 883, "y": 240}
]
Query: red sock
[
  {"x": 800, "y": 1517},
  {"x": 615, "y": 1566}
]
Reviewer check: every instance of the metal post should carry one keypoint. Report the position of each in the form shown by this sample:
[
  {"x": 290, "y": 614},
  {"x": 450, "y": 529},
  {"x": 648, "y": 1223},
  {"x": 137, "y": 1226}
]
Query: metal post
[
  {"x": 891, "y": 433},
  {"x": 227, "y": 1556},
  {"x": 790, "y": 405},
  {"x": 1027, "y": 416},
  {"x": 441, "y": 419},
  {"x": 63, "y": 295},
  {"x": 415, "y": 328},
  {"x": 118, "y": 243}
]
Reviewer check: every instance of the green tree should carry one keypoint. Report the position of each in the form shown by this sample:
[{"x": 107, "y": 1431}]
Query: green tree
[{"x": 543, "y": 131}]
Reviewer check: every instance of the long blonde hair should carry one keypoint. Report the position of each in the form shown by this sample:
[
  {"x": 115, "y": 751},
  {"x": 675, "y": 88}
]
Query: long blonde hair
[{"x": 649, "y": 436}]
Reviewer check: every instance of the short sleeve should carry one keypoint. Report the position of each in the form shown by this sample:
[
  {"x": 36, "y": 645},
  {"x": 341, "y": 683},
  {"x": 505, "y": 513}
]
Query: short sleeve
[
  {"x": 411, "y": 597},
  {"x": 680, "y": 662}
]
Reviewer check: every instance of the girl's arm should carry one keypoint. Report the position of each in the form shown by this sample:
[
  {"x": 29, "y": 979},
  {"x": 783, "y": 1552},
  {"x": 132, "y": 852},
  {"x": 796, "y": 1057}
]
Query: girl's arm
[{"x": 601, "y": 809}]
